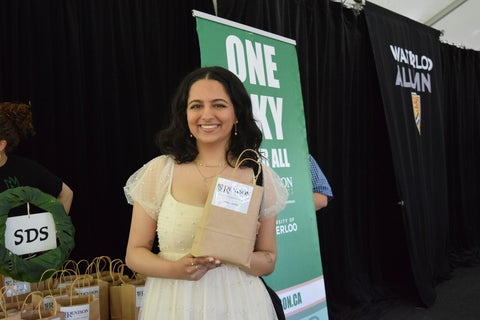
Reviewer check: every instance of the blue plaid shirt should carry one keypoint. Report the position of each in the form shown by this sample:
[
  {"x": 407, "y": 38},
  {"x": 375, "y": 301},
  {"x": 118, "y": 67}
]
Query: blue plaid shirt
[{"x": 319, "y": 181}]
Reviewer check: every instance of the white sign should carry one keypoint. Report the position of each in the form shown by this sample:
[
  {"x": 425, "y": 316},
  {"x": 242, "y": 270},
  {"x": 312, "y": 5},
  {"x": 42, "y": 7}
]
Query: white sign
[{"x": 30, "y": 233}]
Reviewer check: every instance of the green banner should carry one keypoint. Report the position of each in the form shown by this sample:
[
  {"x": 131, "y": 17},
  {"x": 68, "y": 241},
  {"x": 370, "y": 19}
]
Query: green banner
[{"x": 267, "y": 65}]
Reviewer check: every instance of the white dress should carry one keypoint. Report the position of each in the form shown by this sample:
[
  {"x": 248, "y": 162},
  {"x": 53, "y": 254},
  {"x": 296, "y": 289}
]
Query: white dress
[{"x": 223, "y": 293}]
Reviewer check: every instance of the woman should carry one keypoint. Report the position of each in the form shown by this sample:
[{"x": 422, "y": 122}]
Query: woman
[
  {"x": 16, "y": 124},
  {"x": 212, "y": 124}
]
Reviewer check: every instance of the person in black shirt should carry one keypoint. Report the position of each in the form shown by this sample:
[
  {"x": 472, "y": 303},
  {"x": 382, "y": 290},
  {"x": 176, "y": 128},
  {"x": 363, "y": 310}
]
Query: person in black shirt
[{"x": 15, "y": 171}]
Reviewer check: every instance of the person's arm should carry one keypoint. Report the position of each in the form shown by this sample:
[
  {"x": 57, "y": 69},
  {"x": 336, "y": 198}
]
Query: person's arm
[
  {"x": 322, "y": 192},
  {"x": 275, "y": 196},
  {"x": 66, "y": 197},
  {"x": 264, "y": 255},
  {"x": 140, "y": 258},
  {"x": 320, "y": 200}
]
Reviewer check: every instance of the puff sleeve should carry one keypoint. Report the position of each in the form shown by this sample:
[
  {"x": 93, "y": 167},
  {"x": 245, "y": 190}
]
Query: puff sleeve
[
  {"x": 149, "y": 184},
  {"x": 275, "y": 195}
]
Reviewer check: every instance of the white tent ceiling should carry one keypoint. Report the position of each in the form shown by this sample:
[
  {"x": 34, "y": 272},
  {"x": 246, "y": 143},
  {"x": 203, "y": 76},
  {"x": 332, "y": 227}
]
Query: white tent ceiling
[{"x": 459, "y": 20}]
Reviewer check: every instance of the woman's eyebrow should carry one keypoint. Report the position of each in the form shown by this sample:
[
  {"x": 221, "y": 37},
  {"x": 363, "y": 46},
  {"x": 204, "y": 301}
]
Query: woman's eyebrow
[
  {"x": 212, "y": 101},
  {"x": 194, "y": 101}
]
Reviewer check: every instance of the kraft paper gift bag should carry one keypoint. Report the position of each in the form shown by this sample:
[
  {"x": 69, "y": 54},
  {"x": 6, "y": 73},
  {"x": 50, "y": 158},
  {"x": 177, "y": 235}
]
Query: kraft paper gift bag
[
  {"x": 229, "y": 222},
  {"x": 10, "y": 301},
  {"x": 115, "y": 291},
  {"x": 6, "y": 314},
  {"x": 126, "y": 294},
  {"x": 9, "y": 315},
  {"x": 80, "y": 307},
  {"x": 34, "y": 309},
  {"x": 126, "y": 299},
  {"x": 86, "y": 285}
]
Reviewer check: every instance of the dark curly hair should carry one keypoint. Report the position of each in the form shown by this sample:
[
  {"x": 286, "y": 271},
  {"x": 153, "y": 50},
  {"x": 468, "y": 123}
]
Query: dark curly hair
[
  {"x": 175, "y": 140},
  {"x": 15, "y": 123}
]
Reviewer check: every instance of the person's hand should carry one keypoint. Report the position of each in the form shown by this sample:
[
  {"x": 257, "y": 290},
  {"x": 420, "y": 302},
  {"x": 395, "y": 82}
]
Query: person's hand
[{"x": 196, "y": 267}]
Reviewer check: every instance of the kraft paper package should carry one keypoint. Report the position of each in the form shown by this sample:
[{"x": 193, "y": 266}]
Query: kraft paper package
[
  {"x": 80, "y": 307},
  {"x": 126, "y": 295},
  {"x": 126, "y": 299},
  {"x": 34, "y": 308},
  {"x": 229, "y": 222}
]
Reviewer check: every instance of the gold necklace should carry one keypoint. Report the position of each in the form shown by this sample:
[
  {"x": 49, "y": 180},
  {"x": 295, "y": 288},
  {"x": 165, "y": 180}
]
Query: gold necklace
[
  {"x": 206, "y": 178},
  {"x": 210, "y": 166}
]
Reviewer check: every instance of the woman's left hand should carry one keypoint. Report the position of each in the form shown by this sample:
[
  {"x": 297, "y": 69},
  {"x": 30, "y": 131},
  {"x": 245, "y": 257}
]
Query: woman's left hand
[{"x": 200, "y": 265}]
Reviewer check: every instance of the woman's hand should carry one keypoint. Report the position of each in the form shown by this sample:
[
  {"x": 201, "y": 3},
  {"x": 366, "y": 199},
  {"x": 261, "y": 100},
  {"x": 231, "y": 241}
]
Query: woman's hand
[{"x": 196, "y": 267}]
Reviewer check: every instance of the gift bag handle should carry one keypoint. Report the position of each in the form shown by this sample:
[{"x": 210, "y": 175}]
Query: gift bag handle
[
  {"x": 257, "y": 162},
  {"x": 31, "y": 295},
  {"x": 117, "y": 266},
  {"x": 5, "y": 290},
  {"x": 3, "y": 305}
]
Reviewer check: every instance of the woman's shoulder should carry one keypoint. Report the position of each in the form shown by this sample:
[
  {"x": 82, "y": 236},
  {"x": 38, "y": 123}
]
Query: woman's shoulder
[
  {"x": 162, "y": 159},
  {"x": 159, "y": 166},
  {"x": 160, "y": 162},
  {"x": 155, "y": 173}
]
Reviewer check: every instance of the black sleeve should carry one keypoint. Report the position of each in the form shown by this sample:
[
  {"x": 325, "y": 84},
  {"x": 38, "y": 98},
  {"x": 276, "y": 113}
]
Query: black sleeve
[{"x": 33, "y": 174}]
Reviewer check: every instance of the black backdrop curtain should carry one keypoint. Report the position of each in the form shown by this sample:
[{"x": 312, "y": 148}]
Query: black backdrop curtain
[
  {"x": 461, "y": 74},
  {"x": 100, "y": 75},
  {"x": 408, "y": 63}
]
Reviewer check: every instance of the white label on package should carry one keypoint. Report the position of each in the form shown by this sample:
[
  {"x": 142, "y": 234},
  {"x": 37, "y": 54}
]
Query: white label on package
[
  {"x": 139, "y": 296},
  {"x": 77, "y": 312},
  {"x": 14, "y": 287},
  {"x": 232, "y": 195}
]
